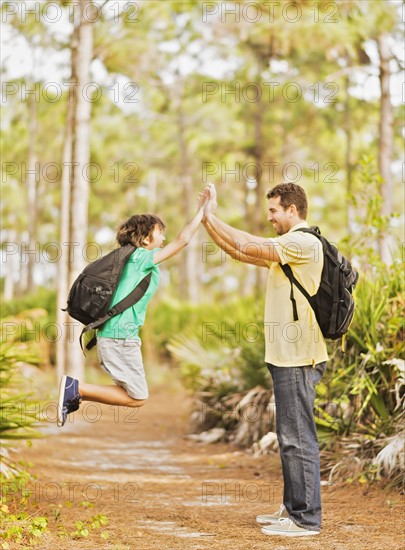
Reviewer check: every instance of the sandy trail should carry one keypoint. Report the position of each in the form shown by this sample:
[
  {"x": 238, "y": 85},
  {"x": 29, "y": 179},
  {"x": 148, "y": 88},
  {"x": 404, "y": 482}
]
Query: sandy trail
[{"x": 160, "y": 490}]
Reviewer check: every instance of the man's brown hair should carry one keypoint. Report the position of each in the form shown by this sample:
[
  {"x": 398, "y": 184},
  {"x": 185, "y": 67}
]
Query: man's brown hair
[
  {"x": 289, "y": 194},
  {"x": 137, "y": 228}
]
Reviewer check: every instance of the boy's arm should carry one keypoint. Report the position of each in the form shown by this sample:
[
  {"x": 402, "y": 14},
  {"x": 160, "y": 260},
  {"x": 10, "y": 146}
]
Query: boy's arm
[
  {"x": 231, "y": 251},
  {"x": 184, "y": 236}
]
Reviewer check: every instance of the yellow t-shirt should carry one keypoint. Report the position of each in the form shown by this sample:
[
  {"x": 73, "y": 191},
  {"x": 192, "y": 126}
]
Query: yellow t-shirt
[{"x": 292, "y": 343}]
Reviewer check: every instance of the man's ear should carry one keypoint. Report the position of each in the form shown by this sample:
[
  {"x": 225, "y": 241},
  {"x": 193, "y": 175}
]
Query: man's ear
[{"x": 293, "y": 211}]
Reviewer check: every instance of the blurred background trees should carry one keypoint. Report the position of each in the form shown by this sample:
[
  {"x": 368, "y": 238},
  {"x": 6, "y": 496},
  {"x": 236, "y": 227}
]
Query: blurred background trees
[{"x": 178, "y": 93}]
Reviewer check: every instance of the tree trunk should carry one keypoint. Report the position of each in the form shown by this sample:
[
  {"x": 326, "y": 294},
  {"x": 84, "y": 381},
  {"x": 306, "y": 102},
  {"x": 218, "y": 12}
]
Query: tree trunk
[
  {"x": 248, "y": 275},
  {"x": 32, "y": 193},
  {"x": 347, "y": 127},
  {"x": 189, "y": 261},
  {"x": 80, "y": 186},
  {"x": 62, "y": 318},
  {"x": 259, "y": 210},
  {"x": 12, "y": 264},
  {"x": 386, "y": 141}
]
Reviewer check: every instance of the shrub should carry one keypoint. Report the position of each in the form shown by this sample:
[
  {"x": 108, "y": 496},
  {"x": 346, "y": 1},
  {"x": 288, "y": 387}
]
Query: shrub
[{"x": 16, "y": 418}]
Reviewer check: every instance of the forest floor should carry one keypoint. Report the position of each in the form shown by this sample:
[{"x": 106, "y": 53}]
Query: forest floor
[{"x": 161, "y": 490}]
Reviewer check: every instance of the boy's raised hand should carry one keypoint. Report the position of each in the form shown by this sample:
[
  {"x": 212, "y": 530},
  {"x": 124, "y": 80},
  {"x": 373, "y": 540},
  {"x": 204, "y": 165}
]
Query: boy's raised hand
[
  {"x": 203, "y": 198},
  {"x": 211, "y": 205}
]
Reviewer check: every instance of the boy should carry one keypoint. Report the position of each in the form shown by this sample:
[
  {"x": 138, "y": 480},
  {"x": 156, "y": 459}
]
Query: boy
[{"x": 118, "y": 339}]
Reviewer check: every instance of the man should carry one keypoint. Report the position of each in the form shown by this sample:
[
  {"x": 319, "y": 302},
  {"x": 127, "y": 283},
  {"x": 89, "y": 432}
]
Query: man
[{"x": 296, "y": 352}]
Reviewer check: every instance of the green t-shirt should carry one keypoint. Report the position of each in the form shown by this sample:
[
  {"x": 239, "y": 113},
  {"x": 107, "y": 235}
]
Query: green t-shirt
[{"x": 127, "y": 324}]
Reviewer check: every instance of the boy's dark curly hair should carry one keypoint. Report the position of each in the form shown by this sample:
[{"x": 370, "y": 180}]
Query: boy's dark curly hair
[{"x": 137, "y": 228}]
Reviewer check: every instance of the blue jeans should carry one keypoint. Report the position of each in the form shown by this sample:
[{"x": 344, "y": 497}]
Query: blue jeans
[{"x": 294, "y": 393}]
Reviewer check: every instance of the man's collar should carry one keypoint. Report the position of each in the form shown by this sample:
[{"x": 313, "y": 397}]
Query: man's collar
[{"x": 298, "y": 226}]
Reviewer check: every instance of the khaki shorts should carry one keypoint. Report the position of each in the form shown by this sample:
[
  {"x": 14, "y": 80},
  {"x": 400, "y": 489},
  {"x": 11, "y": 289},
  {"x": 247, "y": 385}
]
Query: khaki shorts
[{"x": 122, "y": 360}]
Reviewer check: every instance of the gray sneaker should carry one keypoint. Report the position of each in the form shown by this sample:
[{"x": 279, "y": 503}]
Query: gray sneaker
[
  {"x": 286, "y": 528},
  {"x": 273, "y": 518}
]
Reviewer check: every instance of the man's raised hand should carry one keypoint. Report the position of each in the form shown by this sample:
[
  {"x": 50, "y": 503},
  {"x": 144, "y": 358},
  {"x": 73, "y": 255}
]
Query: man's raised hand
[{"x": 211, "y": 206}]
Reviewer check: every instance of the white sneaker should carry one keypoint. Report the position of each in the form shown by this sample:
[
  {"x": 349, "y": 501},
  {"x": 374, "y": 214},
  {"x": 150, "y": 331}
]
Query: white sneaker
[
  {"x": 273, "y": 518},
  {"x": 286, "y": 528}
]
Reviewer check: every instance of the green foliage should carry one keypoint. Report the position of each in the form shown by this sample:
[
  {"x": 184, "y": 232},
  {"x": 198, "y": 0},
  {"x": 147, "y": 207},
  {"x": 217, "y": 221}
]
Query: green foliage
[
  {"x": 84, "y": 528},
  {"x": 21, "y": 526},
  {"x": 167, "y": 318},
  {"x": 34, "y": 330},
  {"x": 371, "y": 224},
  {"x": 16, "y": 407},
  {"x": 364, "y": 391},
  {"x": 42, "y": 298},
  {"x": 220, "y": 349},
  {"x": 366, "y": 384},
  {"x": 363, "y": 383}
]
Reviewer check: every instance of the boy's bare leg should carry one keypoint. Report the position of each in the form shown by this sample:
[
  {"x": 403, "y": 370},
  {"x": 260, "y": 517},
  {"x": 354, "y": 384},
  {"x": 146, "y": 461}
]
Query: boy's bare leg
[{"x": 109, "y": 395}]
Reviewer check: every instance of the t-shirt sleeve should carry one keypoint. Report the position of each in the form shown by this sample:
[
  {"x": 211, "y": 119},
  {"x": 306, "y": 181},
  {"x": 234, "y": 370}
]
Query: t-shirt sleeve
[
  {"x": 296, "y": 248},
  {"x": 143, "y": 258}
]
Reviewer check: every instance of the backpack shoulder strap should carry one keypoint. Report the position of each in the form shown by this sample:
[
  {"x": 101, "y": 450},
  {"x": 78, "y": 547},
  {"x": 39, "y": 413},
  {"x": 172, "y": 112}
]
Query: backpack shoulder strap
[
  {"x": 133, "y": 297},
  {"x": 290, "y": 275},
  {"x": 313, "y": 230},
  {"x": 293, "y": 281}
]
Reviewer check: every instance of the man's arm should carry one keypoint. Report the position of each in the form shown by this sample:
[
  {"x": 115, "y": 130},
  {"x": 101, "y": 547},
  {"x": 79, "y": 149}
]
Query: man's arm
[
  {"x": 233, "y": 252},
  {"x": 248, "y": 244}
]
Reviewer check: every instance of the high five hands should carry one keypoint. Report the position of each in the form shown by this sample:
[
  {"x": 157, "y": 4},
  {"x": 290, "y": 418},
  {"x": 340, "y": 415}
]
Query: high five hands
[{"x": 209, "y": 198}]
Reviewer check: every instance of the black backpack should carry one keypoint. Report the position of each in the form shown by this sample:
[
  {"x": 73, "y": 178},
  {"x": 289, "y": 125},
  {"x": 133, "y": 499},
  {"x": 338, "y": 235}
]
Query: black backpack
[
  {"x": 333, "y": 303},
  {"x": 91, "y": 294}
]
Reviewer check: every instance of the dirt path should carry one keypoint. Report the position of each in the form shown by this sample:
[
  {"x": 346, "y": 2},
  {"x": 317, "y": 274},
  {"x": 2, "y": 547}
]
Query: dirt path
[{"x": 160, "y": 490}]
